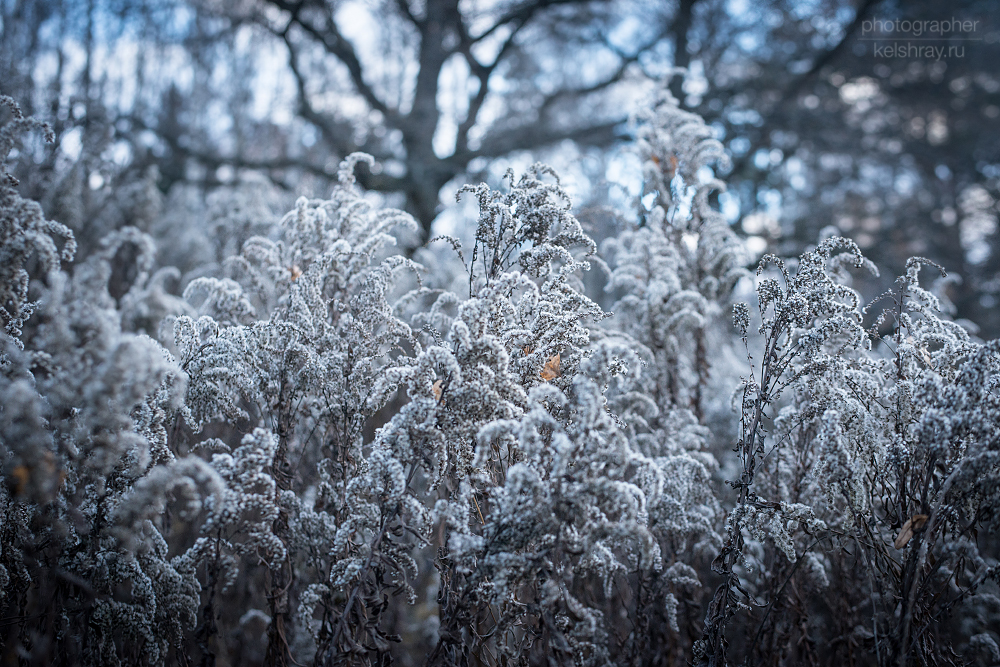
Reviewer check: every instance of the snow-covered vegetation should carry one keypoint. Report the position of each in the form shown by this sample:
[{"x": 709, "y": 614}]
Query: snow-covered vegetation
[{"x": 301, "y": 445}]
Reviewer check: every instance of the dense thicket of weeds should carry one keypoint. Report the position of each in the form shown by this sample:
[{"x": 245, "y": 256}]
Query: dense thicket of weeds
[{"x": 319, "y": 451}]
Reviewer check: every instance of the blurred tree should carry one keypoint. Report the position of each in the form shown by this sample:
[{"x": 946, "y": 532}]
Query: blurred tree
[
  {"x": 897, "y": 152},
  {"x": 87, "y": 68},
  {"x": 427, "y": 88},
  {"x": 897, "y": 149}
]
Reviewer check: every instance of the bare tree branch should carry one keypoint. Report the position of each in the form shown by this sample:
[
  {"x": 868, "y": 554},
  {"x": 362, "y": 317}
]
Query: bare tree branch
[
  {"x": 524, "y": 13},
  {"x": 778, "y": 110},
  {"x": 863, "y": 11},
  {"x": 483, "y": 73},
  {"x": 404, "y": 9},
  {"x": 332, "y": 134},
  {"x": 680, "y": 28},
  {"x": 337, "y": 45},
  {"x": 381, "y": 181},
  {"x": 534, "y": 136}
]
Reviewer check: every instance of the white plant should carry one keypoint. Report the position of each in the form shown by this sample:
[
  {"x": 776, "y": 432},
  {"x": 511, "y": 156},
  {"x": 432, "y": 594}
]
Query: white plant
[{"x": 323, "y": 457}]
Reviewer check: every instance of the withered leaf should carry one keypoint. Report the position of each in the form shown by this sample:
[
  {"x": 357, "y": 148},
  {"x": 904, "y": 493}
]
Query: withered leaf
[
  {"x": 668, "y": 169},
  {"x": 551, "y": 370},
  {"x": 912, "y": 525}
]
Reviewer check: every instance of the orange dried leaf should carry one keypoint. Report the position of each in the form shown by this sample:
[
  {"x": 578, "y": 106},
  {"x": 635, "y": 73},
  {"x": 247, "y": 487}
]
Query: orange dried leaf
[
  {"x": 912, "y": 525},
  {"x": 551, "y": 370},
  {"x": 904, "y": 536},
  {"x": 438, "y": 389},
  {"x": 21, "y": 475},
  {"x": 296, "y": 272},
  {"x": 672, "y": 169}
]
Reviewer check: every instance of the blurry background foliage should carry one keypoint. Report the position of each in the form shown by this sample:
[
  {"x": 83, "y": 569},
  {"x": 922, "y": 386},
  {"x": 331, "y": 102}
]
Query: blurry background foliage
[{"x": 900, "y": 154}]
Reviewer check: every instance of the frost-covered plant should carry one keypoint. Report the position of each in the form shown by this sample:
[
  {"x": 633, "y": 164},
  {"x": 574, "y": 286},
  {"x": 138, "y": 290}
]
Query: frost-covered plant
[
  {"x": 674, "y": 274},
  {"x": 676, "y": 269},
  {"x": 301, "y": 337},
  {"x": 803, "y": 315},
  {"x": 876, "y": 466},
  {"x": 519, "y": 333},
  {"x": 325, "y": 460},
  {"x": 83, "y": 419},
  {"x": 24, "y": 231}
]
